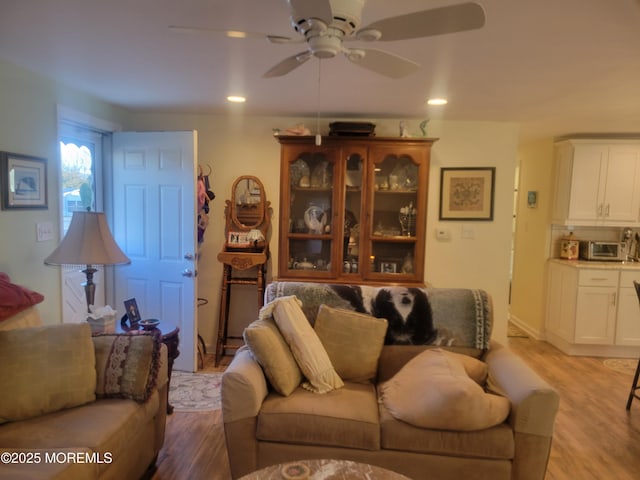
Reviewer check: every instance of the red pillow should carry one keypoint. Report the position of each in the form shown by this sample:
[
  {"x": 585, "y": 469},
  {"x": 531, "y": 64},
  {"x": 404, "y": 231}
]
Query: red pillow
[{"x": 14, "y": 298}]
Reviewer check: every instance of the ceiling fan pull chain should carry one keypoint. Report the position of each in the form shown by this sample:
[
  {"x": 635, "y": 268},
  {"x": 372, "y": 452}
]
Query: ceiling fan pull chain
[{"x": 318, "y": 136}]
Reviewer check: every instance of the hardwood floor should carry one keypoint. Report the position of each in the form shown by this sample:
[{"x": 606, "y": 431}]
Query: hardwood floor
[{"x": 595, "y": 437}]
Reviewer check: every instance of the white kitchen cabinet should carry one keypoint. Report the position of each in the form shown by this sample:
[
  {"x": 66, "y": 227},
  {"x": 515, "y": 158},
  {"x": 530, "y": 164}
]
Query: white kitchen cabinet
[
  {"x": 628, "y": 324},
  {"x": 561, "y": 305},
  {"x": 593, "y": 310},
  {"x": 596, "y": 304},
  {"x": 597, "y": 183}
]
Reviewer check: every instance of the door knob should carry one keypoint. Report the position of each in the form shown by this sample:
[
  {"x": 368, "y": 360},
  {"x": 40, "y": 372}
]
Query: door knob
[
  {"x": 189, "y": 256},
  {"x": 188, "y": 273}
]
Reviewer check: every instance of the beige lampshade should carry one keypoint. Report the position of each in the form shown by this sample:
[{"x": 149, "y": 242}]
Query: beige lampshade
[{"x": 87, "y": 242}]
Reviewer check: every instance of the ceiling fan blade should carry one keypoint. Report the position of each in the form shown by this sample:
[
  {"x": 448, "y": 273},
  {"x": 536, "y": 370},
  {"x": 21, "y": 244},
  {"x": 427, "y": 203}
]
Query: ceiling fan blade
[
  {"x": 288, "y": 64},
  {"x": 312, "y": 9},
  {"x": 437, "y": 21},
  {"x": 232, "y": 33},
  {"x": 384, "y": 63}
]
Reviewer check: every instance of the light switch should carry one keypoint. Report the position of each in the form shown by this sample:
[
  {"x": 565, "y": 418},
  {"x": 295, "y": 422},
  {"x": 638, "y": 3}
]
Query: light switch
[
  {"x": 468, "y": 232},
  {"x": 44, "y": 231}
]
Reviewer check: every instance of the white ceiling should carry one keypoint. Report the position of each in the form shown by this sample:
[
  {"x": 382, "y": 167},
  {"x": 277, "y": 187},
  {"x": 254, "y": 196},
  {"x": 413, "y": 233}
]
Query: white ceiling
[{"x": 555, "y": 66}]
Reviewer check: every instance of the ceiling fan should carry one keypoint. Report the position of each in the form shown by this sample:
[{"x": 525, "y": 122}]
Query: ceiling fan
[{"x": 326, "y": 24}]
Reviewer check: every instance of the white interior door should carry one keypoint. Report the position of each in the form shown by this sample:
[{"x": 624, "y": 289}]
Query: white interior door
[{"x": 154, "y": 222}]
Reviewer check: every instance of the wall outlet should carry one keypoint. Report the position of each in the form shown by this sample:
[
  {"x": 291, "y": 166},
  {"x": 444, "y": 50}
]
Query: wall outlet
[
  {"x": 443, "y": 234},
  {"x": 44, "y": 231}
]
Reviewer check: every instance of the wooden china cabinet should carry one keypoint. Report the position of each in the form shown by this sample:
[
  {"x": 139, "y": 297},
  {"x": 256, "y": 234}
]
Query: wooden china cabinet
[{"x": 354, "y": 209}]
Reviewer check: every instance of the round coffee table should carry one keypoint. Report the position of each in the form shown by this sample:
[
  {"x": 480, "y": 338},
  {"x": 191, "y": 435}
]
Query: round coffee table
[{"x": 324, "y": 469}]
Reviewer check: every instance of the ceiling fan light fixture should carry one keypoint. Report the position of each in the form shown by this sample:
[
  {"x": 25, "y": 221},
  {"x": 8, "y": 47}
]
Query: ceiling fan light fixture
[
  {"x": 437, "y": 101},
  {"x": 235, "y": 34},
  {"x": 325, "y": 46},
  {"x": 236, "y": 99}
]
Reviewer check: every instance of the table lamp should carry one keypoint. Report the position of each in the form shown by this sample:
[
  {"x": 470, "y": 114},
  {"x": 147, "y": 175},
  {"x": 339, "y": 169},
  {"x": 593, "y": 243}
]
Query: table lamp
[{"x": 88, "y": 242}]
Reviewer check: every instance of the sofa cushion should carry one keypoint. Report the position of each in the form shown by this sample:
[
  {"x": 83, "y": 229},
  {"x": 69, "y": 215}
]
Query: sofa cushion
[
  {"x": 496, "y": 442},
  {"x": 46, "y": 369},
  {"x": 273, "y": 354},
  {"x": 347, "y": 417},
  {"x": 24, "y": 319},
  {"x": 433, "y": 390},
  {"x": 108, "y": 427},
  {"x": 127, "y": 364},
  {"x": 307, "y": 349},
  {"x": 353, "y": 341}
]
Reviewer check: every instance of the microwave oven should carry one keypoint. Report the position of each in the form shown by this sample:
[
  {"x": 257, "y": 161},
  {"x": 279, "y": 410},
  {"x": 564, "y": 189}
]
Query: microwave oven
[{"x": 602, "y": 251}]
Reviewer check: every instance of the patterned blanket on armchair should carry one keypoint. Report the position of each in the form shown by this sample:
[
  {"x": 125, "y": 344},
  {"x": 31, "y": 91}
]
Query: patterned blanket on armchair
[{"x": 417, "y": 316}]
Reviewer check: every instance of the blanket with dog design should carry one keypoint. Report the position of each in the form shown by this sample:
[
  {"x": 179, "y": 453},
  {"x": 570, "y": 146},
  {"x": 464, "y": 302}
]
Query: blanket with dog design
[{"x": 455, "y": 317}]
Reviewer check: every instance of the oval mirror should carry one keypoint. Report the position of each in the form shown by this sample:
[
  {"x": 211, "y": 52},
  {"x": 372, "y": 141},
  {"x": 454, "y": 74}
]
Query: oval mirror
[{"x": 248, "y": 202}]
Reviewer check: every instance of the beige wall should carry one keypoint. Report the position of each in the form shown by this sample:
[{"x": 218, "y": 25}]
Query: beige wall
[
  {"x": 235, "y": 144},
  {"x": 532, "y": 236},
  {"x": 482, "y": 261},
  {"x": 28, "y": 126}
]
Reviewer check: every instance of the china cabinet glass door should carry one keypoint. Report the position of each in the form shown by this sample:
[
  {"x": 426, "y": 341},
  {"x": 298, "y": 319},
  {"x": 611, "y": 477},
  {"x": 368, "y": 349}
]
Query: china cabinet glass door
[
  {"x": 353, "y": 166},
  {"x": 309, "y": 241},
  {"x": 397, "y": 213}
]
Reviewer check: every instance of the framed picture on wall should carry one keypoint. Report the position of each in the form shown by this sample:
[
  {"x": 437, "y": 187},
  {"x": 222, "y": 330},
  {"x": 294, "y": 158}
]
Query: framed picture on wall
[
  {"x": 467, "y": 193},
  {"x": 23, "y": 181}
]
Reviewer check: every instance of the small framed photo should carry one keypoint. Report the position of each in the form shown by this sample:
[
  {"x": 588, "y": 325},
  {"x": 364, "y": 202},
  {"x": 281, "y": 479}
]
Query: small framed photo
[
  {"x": 24, "y": 181},
  {"x": 532, "y": 199},
  {"x": 133, "y": 314},
  {"x": 238, "y": 239},
  {"x": 388, "y": 267},
  {"x": 467, "y": 193}
]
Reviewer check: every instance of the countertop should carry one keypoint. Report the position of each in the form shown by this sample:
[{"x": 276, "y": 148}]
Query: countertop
[{"x": 598, "y": 265}]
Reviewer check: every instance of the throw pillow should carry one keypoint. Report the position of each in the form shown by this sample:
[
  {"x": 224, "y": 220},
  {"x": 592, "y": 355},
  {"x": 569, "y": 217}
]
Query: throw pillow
[
  {"x": 476, "y": 369},
  {"x": 45, "y": 369},
  {"x": 14, "y": 298},
  {"x": 273, "y": 354},
  {"x": 307, "y": 349},
  {"x": 433, "y": 391},
  {"x": 352, "y": 340},
  {"x": 127, "y": 364}
]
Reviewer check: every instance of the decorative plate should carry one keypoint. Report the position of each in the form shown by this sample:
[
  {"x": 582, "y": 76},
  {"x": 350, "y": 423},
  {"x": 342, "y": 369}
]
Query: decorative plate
[
  {"x": 315, "y": 219},
  {"x": 149, "y": 323}
]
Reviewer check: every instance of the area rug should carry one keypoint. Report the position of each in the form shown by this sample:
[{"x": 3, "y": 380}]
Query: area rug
[
  {"x": 515, "y": 331},
  {"x": 195, "y": 392},
  {"x": 622, "y": 365}
]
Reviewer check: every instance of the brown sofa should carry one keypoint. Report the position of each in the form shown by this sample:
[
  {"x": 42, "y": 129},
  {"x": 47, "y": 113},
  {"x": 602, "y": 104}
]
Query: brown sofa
[
  {"x": 77, "y": 406},
  {"x": 263, "y": 427}
]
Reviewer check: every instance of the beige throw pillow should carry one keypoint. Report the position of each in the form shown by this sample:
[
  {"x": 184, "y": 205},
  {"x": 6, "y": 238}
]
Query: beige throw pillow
[
  {"x": 476, "y": 369},
  {"x": 45, "y": 369},
  {"x": 273, "y": 354},
  {"x": 307, "y": 349},
  {"x": 352, "y": 340},
  {"x": 433, "y": 391}
]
